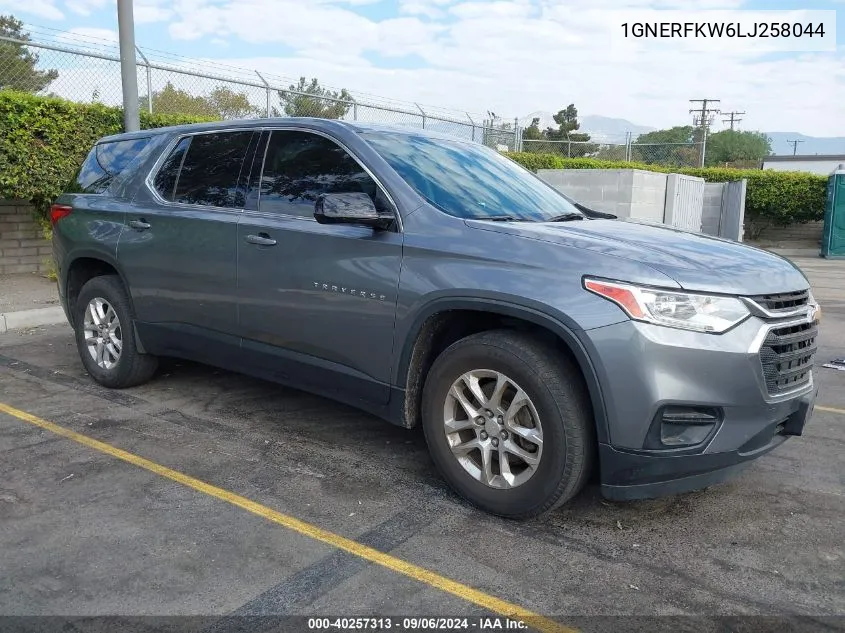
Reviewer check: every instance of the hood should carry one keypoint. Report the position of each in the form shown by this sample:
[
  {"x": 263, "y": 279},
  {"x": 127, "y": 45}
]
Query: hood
[{"x": 694, "y": 261}]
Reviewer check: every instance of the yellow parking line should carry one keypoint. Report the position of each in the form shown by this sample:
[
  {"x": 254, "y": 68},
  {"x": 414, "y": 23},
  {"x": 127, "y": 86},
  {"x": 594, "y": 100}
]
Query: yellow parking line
[
  {"x": 433, "y": 579},
  {"x": 829, "y": 409}
]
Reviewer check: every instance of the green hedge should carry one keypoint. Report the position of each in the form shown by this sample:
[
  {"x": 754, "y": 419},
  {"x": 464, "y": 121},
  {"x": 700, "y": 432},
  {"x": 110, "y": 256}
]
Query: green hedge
[
  {"x": 43, "y": 141},
  {"x": 776, "y": 197}
]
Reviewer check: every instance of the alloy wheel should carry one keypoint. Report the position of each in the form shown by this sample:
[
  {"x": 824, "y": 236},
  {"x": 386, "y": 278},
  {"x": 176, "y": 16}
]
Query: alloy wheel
[
  {"x": 102, "y": 332},
  {"x": 493, "y": 428}
]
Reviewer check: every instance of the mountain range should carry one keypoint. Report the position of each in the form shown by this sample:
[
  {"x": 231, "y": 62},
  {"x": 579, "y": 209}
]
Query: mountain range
[
  {"x": 600, "y": 128},
  {"x": 810, "y": 144},
  {"x": 611, "y": 130}
]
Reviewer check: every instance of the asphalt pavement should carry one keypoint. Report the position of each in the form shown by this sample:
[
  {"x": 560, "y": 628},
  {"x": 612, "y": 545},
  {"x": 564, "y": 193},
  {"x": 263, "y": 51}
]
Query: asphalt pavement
[{"x": 84, "y": 532}]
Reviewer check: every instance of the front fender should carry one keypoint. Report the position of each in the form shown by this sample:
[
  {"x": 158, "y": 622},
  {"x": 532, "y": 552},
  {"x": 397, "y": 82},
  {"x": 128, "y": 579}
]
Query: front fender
[{"x": 562, "y": 327}]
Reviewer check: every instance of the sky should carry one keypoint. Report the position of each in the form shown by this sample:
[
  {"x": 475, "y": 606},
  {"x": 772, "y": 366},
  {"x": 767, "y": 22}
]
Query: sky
[{"x": 512, "y": 57}]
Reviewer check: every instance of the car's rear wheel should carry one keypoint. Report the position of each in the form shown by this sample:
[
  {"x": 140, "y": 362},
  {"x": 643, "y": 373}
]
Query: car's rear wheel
[
  {"x": 104, "y": 335},
  {"x": 508, "y": 423}
]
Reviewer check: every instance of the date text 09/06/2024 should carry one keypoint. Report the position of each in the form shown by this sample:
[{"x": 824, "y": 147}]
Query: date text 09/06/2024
[
  {"x": 722, "y": 29},
  {"x": 416, "y": 624}
]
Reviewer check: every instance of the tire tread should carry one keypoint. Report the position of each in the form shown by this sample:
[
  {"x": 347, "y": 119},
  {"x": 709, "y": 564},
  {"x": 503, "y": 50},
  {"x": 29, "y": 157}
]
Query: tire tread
[{"x": 564, "y": 382}]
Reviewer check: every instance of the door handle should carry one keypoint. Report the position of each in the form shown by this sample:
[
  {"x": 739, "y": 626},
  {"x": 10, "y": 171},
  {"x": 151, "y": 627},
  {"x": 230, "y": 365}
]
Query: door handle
[
  {"x": 141, "y": 224},
  {"x": 261, "y": 239}
]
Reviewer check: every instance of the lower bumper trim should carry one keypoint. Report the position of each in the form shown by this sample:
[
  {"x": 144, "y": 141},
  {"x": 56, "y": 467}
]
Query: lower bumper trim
[{"x": 673, "y": 486}]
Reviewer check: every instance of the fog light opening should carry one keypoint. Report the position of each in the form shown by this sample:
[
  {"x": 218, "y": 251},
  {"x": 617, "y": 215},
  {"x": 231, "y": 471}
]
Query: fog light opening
[
  {"x": 681, "y": 435},
  {"x": 686, "y": 426}
]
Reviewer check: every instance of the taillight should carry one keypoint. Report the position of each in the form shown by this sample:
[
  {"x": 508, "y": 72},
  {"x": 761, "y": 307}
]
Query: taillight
[{"x": 58, "y": 211}]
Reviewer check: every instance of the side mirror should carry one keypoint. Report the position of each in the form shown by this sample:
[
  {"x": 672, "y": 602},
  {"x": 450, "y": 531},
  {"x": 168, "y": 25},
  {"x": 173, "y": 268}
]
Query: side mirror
[{"x": 350, "y": 208}]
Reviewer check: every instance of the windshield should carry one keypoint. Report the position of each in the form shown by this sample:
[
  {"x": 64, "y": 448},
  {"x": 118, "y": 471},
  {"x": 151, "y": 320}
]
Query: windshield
[{"x": 469, "y": 180}]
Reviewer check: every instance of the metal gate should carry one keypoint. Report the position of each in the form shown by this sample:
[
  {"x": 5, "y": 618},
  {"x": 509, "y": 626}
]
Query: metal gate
[{"x": 684, "y": 202}]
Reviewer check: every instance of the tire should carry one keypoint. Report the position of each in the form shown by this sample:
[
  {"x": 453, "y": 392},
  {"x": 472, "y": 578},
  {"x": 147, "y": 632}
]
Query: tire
[
  {"x": 556, "y": 394},
  {"x": 128, "y": 367}
]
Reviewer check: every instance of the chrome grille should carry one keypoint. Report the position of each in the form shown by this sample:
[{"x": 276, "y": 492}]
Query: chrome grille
[
  {"x": 782, "y": 302},
  {"x": 787, "y": 356}
]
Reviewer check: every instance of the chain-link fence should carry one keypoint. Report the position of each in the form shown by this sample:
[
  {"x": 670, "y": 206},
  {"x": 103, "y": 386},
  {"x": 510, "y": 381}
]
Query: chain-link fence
[
  {"x": 89, "y": 71},
  {"x": 666, "y": 154}
]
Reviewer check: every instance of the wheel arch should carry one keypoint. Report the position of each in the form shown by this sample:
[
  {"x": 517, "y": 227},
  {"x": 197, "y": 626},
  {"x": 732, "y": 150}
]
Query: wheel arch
[
  {"x": 419, "y": 347},
  {"x": 83, "y": 266}
]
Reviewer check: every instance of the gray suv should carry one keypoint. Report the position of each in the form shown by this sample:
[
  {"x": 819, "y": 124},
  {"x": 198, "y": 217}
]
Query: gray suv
[{"x": 432, "y": 281}]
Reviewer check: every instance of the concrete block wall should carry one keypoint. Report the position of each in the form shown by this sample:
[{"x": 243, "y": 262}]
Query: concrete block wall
[
  {"x": 648, "y": 195},
  {"x": 712, "y": 210},
  {"x": 594, "y": 188},
  {"x": 624, "y": 192},
  {"x": 22, "y": 247}
]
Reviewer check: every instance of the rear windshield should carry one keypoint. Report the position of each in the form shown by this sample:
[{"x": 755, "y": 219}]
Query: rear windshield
[{"x": 106, "y": 161}]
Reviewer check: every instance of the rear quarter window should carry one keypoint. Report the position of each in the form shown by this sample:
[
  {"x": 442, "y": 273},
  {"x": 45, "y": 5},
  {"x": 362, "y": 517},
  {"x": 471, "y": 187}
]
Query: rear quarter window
[
  {"x": 205, "y": 170},
  {"x": 106, "y": 161}
]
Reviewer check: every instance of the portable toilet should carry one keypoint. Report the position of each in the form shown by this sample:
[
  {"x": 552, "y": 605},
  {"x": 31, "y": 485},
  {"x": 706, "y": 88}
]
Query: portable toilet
[{"x": 833, "y": 234}]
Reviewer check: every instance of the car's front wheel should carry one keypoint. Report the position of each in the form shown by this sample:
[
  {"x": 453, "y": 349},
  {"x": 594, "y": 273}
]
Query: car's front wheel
[
  {"x": 508, "y": 423},
  {"x": 104, "y": 335}
]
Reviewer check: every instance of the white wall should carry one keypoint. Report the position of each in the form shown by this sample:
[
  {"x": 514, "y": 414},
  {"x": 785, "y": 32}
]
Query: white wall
[
  {"x": 627, "y": 193},
  {"x": 686, "y": 202},
  {"x": 648, "y": 195},
  {"x": 712, "y": 209},
  {"x": 822, "y": 167}
]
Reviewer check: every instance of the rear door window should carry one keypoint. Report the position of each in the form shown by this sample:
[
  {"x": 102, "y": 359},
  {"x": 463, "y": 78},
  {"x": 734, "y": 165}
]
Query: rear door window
[
  {"x": 106, "y": 161},
  {"x": 211, "y": 170}
]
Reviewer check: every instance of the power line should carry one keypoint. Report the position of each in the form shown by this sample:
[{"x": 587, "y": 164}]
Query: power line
[
  {"x": 704, "y": 119},
  {"x": 795, "y": 145},
  {"x": 733, "y": 118}
]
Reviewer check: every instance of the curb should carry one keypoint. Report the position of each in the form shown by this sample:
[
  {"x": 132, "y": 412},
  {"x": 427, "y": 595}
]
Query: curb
[
  {"x": 804, "y": 253},
  {"x": 31, "y": 318}
]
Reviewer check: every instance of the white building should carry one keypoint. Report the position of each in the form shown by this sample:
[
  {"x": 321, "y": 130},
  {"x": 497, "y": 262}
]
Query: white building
[{"x": 820, "y": 164}]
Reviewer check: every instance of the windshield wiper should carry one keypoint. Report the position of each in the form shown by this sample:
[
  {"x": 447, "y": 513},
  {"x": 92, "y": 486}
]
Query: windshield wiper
[
  {"x": 592, "y": 214},
  {"x": 500, "y": 218},
  {"x": 566, "y": 217}
]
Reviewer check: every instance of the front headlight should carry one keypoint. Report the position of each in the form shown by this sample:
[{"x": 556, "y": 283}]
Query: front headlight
[{"x": 684, "y": 310}]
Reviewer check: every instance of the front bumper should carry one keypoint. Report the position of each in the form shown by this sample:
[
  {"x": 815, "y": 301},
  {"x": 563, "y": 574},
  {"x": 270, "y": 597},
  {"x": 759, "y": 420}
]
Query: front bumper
[
  {"x": 628, "y": 475},
  {"x": 643, "y": 368}
]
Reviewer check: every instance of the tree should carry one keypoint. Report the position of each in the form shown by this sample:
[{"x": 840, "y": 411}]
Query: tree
[
  {"x": 732, "y": 145},
  {"x": 677, "y": 134},
  {"x": 567, "y": 121},
  {"x": 532, "y": 132},
  {"x": 172, "y": 100},
  {"x": 610, "y": 152},
  {"x": 232, "y": 105},
  {"x": 676, "y": 146},
  {"x": 17, "y": 63},
  {"x": 221, "y": 103},
  {"x": 311, "y": 99}
]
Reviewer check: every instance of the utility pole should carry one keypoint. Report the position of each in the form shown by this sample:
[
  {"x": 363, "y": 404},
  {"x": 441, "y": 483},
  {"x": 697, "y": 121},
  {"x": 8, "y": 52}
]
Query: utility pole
[
  {"x": 795, "y": 146},
  {"x": 733, "y": 118},
  {"x": 703, "y": 118},
  {"x": 128, "y": 74}
]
